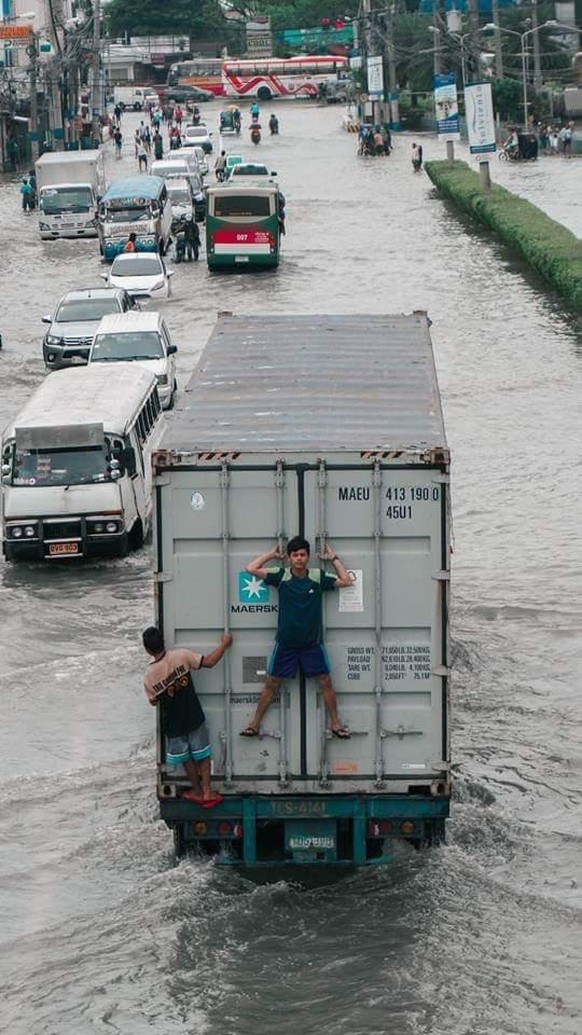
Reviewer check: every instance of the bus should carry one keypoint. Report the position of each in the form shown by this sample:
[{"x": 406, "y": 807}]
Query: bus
[
  {"x": 76, "y": 464},
  {"x": 243, "y": 226},
  {"x": 203, "y": 72},
  {"x": 138, "y": 204},
  {"x": 281, "y": 77}
]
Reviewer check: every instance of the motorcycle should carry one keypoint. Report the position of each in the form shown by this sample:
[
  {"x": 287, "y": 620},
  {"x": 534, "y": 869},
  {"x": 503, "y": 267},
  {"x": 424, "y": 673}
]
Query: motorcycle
[
  {"x": 274, "y": 125},
  {"x": 256, "y": 134}
]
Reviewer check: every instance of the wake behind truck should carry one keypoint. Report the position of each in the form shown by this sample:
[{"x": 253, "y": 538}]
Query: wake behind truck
[
  {"x": 69, "y": 186},
  {"x": 328, "y": 427}
]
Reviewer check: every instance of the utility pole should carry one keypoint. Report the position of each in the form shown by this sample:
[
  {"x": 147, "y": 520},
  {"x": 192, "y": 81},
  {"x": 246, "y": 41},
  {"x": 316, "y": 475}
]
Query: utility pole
[
  {"x": 497, "y": 39},
  {"x": 33, "y": 87},
  {"x": 392, "y": 81},
  {"x": 96, "y": 70},
  {"x": 536, "y": 47}
]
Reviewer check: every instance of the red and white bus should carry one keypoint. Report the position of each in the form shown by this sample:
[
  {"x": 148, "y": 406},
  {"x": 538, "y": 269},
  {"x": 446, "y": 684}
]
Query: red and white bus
[
  {"x": 205, "y": 73},
  {"x": 280, "y": 77}
]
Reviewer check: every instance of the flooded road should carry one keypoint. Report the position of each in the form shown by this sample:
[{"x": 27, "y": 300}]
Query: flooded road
[{"x": 101, "y": 932}]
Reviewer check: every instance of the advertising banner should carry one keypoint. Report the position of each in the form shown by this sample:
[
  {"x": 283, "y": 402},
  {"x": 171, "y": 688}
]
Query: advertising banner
[
  {"x": 259, "y": 36},
  {"x": 480, "y": 121},
  {"x": 446, "y": 106},
  {"x": 376, "y": 78}
]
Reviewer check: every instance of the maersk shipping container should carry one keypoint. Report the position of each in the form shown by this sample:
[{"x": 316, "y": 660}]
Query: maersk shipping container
[{"x": 328, "y": 427}]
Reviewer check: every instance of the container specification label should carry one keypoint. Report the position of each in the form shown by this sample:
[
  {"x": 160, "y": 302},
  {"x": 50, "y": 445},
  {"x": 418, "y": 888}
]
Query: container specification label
[
  {"x": 351, "y": 598},
  {"x": 401, "y": 500},
  {"x": 399, "y": 661}
]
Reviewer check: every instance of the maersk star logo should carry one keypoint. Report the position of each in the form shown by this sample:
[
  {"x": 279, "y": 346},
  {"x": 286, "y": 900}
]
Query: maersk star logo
[{"x": 251, "y": 590}]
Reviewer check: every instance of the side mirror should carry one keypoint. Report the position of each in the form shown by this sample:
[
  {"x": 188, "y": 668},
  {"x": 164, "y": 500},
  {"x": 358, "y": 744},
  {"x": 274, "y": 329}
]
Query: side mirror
[
  {"x": 46, "y": 319},
  {"x": 170, "y": 273},
  {"x": 104, "y": 276},
  {"x": 171, "y": 350}
]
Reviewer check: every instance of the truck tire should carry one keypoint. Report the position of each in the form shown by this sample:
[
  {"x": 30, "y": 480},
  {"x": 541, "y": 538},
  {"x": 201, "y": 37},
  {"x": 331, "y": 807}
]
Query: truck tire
[{"x": 264, "y": 94}]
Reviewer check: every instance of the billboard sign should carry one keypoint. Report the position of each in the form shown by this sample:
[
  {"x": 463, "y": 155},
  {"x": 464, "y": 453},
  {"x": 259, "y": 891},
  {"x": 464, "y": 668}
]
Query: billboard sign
[
  {"x": 480, "y": 120},
  {"x": 259, "y": 36},
  {"x": 376, "y": 78},
  {"x": 446, "y": 107}
]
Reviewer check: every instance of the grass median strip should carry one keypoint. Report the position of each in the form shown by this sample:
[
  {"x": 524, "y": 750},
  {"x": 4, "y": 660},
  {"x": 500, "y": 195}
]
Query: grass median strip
[{"x": 547, "y": 246}]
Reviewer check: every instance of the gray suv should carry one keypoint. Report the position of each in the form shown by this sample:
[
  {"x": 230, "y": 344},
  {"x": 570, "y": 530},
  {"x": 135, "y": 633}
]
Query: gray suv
[{"x": 75, "y": 321}]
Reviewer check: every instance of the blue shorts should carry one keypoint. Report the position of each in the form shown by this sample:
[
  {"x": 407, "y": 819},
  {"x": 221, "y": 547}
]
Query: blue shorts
[
  {"x": 312, "y": 661},
  {"x": 194, "y": 746}
]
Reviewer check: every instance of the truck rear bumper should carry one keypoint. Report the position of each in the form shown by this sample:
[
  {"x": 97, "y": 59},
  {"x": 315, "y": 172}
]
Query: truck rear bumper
[{"x": 342, "y": 832}]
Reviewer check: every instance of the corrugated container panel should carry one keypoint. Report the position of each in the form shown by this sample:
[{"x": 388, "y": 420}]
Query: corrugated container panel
[{"x": 312, "y": 383}]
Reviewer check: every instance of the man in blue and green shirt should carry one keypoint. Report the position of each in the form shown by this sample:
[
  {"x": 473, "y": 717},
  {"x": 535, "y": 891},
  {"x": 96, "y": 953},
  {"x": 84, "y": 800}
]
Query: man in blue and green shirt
[{"x": 299, "y": 640}]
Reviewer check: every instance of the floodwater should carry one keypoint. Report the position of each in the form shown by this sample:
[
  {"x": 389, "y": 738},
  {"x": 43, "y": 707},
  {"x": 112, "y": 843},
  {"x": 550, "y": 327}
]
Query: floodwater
[{"x": 100, "y": 932}]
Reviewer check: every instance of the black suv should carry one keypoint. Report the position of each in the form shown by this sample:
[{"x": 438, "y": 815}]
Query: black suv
[{"x": 182, "y": 94}]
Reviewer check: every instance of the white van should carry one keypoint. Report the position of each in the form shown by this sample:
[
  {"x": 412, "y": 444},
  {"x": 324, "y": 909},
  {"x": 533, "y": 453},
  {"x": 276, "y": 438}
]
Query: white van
[
  {"x": 76, "y": 464},
  {"x": 140, "y": 338}
]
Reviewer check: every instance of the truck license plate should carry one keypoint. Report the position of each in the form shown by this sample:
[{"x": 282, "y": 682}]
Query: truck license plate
[
  {"x": 241, "y": 258},
  {"x": 59, "y": 548},
  {"x": 303, "y": 842}
]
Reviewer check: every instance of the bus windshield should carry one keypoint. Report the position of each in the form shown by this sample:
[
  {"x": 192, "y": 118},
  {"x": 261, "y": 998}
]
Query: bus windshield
[
  {"x": 126, "y": 213},
  {"x": 70, "y": 466},
  {"x": 229, "y": 205}
]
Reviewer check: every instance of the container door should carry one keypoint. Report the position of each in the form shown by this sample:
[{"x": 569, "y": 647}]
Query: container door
[
  {"x": 385, "y": 635},
  {"x": 212, "y": 523}
]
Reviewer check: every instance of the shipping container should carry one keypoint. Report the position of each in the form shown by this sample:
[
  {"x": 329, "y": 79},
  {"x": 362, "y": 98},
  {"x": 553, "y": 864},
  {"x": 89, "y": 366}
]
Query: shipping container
[{"x": 328, "y": 427}]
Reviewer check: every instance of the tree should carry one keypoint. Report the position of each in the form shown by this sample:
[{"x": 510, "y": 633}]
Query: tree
[{"x": 198, "y": 18}]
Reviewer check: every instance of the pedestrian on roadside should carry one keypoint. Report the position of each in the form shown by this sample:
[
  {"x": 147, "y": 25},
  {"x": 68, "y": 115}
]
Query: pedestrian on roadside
[
  {"x": 32, "y": 181},
  {"x": 147, "y": 139},
  {"x": 417, "y": 157},
  {"x": 117, "y": 113},
  {"x": 118, "y": 142},
  {"x": 168, "y": 685},
  {"x": 220, "y": 166},
  {"x": 27, "y": 195},
  {"x": 178, "y": 115},
  {"x": 158, "y": 146},
  {"x": 192, "y": 239},
  {"x": 567, "y": 140},
  {"x": 299, "y": 628},
  {"x": 142, "y": 157},
  {"x": 14, "y": 153}
]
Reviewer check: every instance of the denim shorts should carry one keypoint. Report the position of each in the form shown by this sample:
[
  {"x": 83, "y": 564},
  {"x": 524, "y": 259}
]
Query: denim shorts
[{"x": 194, "y": 746}]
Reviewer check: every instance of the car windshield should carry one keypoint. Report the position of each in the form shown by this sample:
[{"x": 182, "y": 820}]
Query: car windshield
[
  {"x": 196, "y": 131},
  {"x": 66, "y": 199},
  {"x": 250, "y": 170},
  {"x": 60, "y": 466},
  {"x": 86, "y": 309},
  {"x": 179, "y": 196},
  {"x": 127, "y": 346},
  {"x": 127, "y": 215},
  {"x": 136, "y": 266}
]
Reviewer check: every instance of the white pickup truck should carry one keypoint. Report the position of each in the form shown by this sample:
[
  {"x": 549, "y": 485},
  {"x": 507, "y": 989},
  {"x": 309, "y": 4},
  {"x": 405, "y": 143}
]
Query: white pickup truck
[{"x": 136, "y": 97}]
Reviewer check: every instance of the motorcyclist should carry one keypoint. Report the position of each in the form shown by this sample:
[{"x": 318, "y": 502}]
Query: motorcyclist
[
  {"x": 511, "y": 145},
  {"x": 273, "y": 125},
  {"x": 255, "y": 131},
  {"x": 195, "y": 115}
]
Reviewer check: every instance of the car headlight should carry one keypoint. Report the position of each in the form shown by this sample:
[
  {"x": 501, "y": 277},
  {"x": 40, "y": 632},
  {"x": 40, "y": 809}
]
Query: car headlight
[
  {"x": 16, "y": 532},
  {"x": 30, "y": 531},
  {"x": 98, "y": 526},
  {"x": 111, "y": 526},
  {"x": 162, "y": 379},
  {"x": 53, "y": 339}
]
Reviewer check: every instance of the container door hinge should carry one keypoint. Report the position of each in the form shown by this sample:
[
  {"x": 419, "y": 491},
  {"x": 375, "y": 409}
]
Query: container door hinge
[
  {"x": 441, "y": 670},
  {"x": 441, "y": 576}
]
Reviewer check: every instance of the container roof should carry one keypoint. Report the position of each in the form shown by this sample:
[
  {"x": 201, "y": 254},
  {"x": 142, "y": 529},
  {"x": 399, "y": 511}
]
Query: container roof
[{"x": 312, "y": 383}]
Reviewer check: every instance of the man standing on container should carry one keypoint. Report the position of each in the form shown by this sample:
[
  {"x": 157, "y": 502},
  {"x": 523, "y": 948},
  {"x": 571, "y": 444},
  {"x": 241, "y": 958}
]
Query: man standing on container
[
  {"x": 299, "y": 640},
  {"x": 168, "y": 683}
]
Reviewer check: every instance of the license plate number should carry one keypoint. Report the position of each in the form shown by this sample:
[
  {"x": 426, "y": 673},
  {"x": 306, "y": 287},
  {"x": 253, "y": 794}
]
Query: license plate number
[
  {"x": 241, "y": 258},
  {"x": 302, "y": 842},
  {"x": 60, "y": 548}
]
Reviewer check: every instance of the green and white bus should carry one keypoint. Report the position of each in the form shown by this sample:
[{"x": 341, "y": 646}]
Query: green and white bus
[{"x": 244, "y": 226}]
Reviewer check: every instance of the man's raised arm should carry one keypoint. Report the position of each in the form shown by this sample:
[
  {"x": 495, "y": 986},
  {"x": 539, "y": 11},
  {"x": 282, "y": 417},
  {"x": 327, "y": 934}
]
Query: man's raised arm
[{"x": 257, "y": 565}]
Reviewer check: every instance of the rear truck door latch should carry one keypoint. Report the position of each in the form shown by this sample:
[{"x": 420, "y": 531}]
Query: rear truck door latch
[{"x": 400, "y": 732}]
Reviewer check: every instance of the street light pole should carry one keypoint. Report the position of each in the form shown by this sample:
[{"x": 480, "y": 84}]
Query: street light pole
[{"x": 96, "y": 63}]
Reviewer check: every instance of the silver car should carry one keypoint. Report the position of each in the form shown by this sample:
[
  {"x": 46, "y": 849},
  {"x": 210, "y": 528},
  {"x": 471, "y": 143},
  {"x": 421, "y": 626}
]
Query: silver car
[{"x": 75, "y": 320}]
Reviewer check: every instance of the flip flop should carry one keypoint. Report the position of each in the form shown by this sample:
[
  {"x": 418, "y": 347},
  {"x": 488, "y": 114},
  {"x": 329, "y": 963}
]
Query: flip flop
[
  {"x": 341, "y": 733},
  {"x": 215, "y": 800},
  {"x": 190, "y": 796},
  {"x": 249, "y": 731}
]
